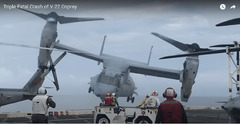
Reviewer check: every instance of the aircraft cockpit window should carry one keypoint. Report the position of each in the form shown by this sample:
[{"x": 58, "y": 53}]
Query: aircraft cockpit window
[{"x": 109, "y": 80}]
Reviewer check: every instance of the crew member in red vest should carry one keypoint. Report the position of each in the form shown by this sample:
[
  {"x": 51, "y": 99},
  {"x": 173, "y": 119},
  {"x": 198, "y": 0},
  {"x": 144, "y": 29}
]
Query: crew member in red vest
[
  {"x": 171, "y": 110},
  {"x": 108, "y": 99}
]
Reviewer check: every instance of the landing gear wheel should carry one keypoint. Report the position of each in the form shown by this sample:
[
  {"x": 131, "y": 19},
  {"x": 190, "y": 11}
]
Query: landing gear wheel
[
  {"x": 90, "y": 90},
  {"x": 128, "y": 98},
  {"x": 133, "y": 98}
]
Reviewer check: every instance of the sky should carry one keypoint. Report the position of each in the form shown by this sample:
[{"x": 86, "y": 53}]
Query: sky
[{"x": 128, "y": 26}]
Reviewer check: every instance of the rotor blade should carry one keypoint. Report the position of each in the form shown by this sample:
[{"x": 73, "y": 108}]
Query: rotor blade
[
  {"x": 179, "y": 45},
  {"x": 52, "y": 67},
  {"x": 43, "y": 16},
  {"x": 221, "y": 102},
  {"x": 194, "y": 47},
  {"x": 59, "y": 58},
  {"x": 48, "y": 87},
  {"x": 223, "y": 45},
  {"x": 34, "y": 47},
  {"x": 54, "y": 63},
  {"x": 202, "y": 53},
  {"x": 230, "y": 22},
  {"x": 55, "y": 78},
  {"x": 63, "y": 20}
]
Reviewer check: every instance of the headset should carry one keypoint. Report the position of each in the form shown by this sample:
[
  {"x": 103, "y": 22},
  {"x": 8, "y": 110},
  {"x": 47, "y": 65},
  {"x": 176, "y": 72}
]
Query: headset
[
  {"x": 42, "y": 90},
  {"x": 170, "y": 92}
]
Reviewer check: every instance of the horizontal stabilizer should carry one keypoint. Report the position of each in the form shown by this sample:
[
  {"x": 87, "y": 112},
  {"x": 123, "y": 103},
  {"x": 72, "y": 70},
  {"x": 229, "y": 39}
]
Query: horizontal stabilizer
[{"x": 230, "y": 22}]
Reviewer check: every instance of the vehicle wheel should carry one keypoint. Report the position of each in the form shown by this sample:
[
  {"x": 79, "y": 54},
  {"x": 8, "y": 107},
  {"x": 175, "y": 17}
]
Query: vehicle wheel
[
  {"x": 103, "y": 120},
  {"x": 143, "y": 120}
]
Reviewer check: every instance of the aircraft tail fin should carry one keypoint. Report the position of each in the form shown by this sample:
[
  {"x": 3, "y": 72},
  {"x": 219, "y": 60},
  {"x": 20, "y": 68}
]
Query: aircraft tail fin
[
  {"x": 61, "y": 19},
  {"x": 102, "y": 47},
  {"x": 150, "y": 54},
  {"x": 35, "y": 82}
]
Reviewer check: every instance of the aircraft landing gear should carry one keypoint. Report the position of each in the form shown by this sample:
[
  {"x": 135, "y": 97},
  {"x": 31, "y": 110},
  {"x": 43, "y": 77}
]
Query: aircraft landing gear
[
  {"x": 130, "y": 98},
  {"x": 90, "y": 90}
]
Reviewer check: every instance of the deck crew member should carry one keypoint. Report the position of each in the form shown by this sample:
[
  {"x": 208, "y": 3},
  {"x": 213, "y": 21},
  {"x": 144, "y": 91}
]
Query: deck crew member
[
  {"x": 114, "y": 100},
  {"x": 40, "y": 105},
  {"x": 108, "y": 99},
  {"x": 171, "y": 110},
  {"x": 153, "y": 100}
]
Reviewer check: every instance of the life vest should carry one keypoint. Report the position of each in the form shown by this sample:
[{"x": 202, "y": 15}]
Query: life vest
[
  {"x": 108, "y": 101},
  {"x": 39, "y": 104},
  {"x": 171, "y": 111}
]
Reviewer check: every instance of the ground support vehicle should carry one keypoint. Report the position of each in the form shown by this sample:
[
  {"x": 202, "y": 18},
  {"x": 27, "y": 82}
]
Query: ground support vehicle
[{"x": 112, "y": 114}]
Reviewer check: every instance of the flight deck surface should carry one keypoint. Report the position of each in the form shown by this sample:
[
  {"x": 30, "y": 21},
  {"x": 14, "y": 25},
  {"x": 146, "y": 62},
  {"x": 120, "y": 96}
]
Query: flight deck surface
[{"x": 194, "y": 116}]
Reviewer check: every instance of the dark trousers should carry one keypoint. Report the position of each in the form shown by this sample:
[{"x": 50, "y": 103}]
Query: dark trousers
[{"x": 39, "y": 118}]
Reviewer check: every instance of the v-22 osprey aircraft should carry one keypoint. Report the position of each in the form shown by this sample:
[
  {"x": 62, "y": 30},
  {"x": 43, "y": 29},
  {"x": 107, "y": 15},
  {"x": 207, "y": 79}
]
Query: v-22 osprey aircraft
[{"x": 115, "y": 76}]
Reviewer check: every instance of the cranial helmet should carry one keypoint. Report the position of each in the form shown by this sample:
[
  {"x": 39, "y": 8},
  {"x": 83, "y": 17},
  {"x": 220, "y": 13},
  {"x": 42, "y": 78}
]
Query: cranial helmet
[
  {"x": 155, "y": 93},
  {"x": 169, "y": 93},
  {"x": 108, "y": 94},
  {"x": 42, "y": 90}
]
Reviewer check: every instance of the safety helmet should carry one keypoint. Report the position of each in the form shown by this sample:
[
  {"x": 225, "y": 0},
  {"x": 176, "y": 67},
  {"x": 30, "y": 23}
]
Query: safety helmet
[
  {"x": 114, "y": 94},
  {"x": 42, "y": 90},
  {"x": 169, "y": 93},
  {"x": 108, "y": 94},
  {"x": 155, "y": 93}
]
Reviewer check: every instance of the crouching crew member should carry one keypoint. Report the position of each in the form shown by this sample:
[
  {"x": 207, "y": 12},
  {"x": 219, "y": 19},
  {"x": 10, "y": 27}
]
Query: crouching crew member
[
  {"x": 144, "y": 100},
  {"x": 108, "y": 99},
  {"x": 171, "y": 110},
  {"x": 40, "y": 105}
]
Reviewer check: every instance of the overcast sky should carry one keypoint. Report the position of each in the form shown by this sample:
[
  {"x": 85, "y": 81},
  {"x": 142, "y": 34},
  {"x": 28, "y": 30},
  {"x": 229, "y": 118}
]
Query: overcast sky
[{"x": 128, "y": 26}]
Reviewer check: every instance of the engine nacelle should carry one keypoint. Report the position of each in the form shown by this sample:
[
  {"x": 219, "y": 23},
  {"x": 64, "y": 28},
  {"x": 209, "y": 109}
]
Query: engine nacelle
[{"x": 188, "y": 77}]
